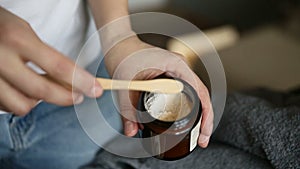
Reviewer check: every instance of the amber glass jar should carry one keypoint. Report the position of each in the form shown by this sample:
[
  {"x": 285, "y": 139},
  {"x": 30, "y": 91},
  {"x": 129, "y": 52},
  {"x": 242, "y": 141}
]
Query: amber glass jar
[{"x": 169, "y": 139}]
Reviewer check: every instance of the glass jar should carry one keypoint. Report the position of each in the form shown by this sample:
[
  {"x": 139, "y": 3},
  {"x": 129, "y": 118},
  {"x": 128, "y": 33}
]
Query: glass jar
[{"x": 170, "y": 136}]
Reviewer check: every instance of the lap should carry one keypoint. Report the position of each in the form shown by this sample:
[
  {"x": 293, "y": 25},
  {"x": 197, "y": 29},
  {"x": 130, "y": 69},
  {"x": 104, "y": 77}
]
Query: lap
[{"x": 51, "y": 136}]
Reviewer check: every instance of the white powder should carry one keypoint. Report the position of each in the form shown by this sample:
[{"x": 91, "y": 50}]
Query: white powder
[{"x": 168, "y": 107}]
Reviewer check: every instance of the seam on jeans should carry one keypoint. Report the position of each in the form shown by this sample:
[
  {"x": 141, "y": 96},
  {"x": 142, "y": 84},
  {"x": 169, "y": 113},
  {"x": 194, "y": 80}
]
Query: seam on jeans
[
  {"x": 8, "y": 120},
  {"x": 19, "y": 127},
  {"x": 25, "y": 125},
  {"x": 14, "y": 137}
]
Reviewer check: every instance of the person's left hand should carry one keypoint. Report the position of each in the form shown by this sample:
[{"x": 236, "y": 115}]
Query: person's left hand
[{"x": 133, "y": 59}]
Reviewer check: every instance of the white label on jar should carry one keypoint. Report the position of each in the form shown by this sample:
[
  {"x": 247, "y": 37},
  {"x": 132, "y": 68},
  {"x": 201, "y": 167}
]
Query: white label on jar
[{"x": 194, "y": 136}]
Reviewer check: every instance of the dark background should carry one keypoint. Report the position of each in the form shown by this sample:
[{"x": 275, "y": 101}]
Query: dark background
[{"x": 267, "y": 53}]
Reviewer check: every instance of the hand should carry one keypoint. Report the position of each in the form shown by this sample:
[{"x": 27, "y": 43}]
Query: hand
[
  {"x": 21, "y": 88},
  {"x": 133, "y": 59}
]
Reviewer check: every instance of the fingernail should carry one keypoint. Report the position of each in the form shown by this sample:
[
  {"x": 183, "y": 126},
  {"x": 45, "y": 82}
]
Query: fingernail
[
  {"x": 203, "y": 139},
  {"x": 78, "y": 99},
  {"x": 128, "y": 128},
  {"x": 96, "y": 91}
]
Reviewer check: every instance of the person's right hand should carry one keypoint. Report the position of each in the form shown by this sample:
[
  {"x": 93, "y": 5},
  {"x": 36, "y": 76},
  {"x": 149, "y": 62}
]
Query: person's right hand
[{"x": 21, "y": 88}]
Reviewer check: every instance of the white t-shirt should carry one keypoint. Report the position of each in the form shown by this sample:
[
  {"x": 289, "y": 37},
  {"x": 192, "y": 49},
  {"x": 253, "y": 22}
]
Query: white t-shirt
[{"x": 63, "y": 24}]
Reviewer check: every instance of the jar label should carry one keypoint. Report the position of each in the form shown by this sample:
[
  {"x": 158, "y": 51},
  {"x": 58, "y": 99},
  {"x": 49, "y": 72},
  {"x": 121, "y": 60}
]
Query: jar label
[{"x": 194, "y": 135}]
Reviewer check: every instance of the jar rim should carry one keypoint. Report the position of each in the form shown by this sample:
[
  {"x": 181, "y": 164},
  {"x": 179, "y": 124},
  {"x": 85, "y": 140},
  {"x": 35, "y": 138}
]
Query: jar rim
[{"x": 189, "y": 91}]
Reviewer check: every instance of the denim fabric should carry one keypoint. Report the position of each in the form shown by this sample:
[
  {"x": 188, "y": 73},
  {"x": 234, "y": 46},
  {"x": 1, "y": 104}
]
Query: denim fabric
[{"x": 50, "y": 137}]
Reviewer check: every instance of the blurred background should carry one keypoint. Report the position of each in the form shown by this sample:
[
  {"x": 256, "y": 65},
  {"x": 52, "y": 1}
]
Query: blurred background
[{"x": 258, "y": 41}]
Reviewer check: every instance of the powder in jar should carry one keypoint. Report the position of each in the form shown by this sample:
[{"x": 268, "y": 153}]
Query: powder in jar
[{"x": 168, "y": 107}]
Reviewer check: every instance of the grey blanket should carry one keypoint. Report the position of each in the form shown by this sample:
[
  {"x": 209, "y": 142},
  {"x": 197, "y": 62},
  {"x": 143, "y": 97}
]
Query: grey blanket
[{"x": 259, "y": 129}]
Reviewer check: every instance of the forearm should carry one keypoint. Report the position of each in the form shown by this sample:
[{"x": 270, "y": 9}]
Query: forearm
[
  {"x": 105, "y": 11},
  {"x": 112, "y": 20}
]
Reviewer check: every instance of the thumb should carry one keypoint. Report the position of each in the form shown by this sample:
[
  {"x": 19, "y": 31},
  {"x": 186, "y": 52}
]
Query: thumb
[{"x": 127, "y": 103}]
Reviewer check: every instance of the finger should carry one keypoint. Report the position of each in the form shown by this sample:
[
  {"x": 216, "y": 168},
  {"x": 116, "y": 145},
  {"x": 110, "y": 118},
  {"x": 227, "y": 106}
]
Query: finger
[
  {"x": 183, "y": 72},
  {"x": 14, "y": 101},
  {"x": 63, "y": 69},
  {"x": 36, "y": 86},
  {"x": 207, "y": 113},
  {"x": 2, "y": 108},
  {"x": 127, "y": 110}
]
